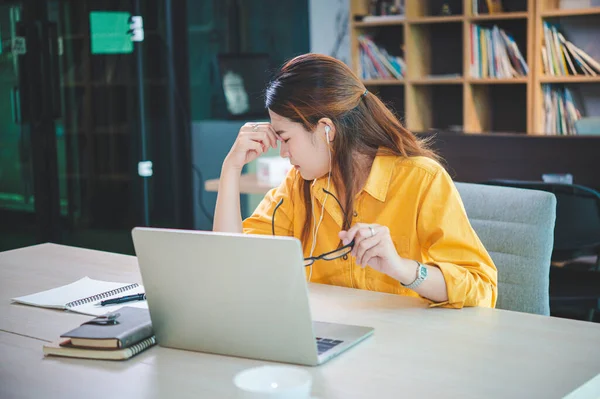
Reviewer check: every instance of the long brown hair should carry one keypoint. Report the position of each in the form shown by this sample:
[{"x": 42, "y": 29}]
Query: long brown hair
[{"x": 312, "y": 86}]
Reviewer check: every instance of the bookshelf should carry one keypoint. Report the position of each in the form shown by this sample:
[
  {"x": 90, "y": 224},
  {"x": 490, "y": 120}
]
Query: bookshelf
[
  {"x": 438, "y": 91},
  {"x": 574, "y": 23}
]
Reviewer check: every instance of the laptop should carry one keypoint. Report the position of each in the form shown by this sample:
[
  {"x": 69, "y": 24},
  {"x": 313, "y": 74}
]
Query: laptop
[{"x": 235, "y": 294}]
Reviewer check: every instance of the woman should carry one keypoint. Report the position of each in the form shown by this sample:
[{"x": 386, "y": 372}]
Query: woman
[{"x": 370, "y": 203}]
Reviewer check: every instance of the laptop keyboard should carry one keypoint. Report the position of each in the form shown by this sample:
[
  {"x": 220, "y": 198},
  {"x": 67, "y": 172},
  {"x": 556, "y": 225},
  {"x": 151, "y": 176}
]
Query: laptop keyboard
[{"x": 324, "y": 344}]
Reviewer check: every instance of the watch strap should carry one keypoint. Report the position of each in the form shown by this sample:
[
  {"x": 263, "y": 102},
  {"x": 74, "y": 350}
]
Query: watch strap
[{"x": 421, "y": 276}]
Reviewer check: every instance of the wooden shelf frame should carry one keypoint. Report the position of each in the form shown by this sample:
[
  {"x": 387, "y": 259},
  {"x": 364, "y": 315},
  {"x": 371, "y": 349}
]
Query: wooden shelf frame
[
  {"x": 436, "y": 19},
  {"x": 574, "y": 12},
  {"x": 384, "y": 82},
  {"x": 499, "y": 81},
  {"x": 569, "y": 79},
  {"x": 430, "y": 80},
  {"x": 499, "y": 16},
  {"x": 375, "y": 24}
]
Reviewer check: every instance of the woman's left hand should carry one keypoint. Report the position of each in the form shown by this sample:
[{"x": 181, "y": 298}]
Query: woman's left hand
[{"x": 373, "y": 246}]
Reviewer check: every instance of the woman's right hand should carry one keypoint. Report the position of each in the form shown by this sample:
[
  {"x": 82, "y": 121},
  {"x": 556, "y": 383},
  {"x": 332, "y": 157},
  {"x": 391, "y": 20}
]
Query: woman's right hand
[{"x": 254, "y": 139}]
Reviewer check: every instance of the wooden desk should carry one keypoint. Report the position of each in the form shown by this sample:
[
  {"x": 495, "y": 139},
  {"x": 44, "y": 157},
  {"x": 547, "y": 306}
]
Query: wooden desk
[
  {"x": 415, "y": 351},
  {"x": 248, "y": 185}
]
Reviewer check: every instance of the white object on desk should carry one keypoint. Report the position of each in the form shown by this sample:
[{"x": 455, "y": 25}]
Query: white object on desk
[
  {"x": 271, "y": 171},
  {"x": 274, "y": 382}
]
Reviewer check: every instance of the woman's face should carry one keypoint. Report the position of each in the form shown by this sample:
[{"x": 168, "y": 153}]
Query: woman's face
[{"x": 307, "y": 151}]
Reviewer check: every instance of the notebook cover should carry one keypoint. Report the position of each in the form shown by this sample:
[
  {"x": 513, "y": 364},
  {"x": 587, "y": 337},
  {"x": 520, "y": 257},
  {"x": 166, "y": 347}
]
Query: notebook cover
[
  {"x": 65, "y": 349},
  {"x": 134, "y": 325}
]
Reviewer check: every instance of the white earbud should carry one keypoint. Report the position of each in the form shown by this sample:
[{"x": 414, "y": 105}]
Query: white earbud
[{"x": 315, "y": 224}]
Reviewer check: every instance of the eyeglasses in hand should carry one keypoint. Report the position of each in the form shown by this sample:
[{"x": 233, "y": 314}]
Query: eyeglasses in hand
[{"x": 331, "y": 255}]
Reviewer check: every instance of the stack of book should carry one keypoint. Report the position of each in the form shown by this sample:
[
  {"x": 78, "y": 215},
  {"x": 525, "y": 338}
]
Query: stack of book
[
  {"x": 495, "y": 54},
  {"x": 560, "y": 111},
  {"x": 376, "y": 63},
  {"x": 114, "y": 336},
  {"x": 562, "y": 58}
]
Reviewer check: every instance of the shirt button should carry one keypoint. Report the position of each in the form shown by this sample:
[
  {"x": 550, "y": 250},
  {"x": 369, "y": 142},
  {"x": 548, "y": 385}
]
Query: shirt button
[
  {"x": 355, "y": 214},
  {"x": 345, "y": 257}
]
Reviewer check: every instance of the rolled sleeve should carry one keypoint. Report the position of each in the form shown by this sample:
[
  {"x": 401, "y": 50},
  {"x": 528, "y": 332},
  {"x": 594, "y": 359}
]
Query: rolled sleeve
[
  {"x": 449, "y": 242},
  {"x": 261, "y": 221}
]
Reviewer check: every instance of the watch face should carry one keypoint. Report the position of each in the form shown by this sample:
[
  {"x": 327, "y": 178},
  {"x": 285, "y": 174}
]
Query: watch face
[{"x": 423, "y": 272}]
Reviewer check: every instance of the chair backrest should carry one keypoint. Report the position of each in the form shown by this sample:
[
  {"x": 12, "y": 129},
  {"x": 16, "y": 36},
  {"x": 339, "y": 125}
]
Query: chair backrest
[
  {"x": 516, "y": 227},
  {"x": 577, "y": 230}
]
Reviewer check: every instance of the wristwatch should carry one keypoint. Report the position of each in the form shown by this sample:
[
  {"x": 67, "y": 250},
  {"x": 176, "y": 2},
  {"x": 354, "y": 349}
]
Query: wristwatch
[{"x": 421, "y": 276}]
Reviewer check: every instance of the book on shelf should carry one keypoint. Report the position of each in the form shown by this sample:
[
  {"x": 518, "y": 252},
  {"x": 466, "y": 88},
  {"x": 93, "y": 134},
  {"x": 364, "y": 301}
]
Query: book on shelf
[
  {"x": 575, "y": 4},
  {"x": 560, "y": 111},
  {"x": 495, "y": 54},
  {"x": 561, "y": 57},
  {"x": 486, "y": 7},
  {"x": 380, "y": 18},
  {"x": 377, "y": 63},
  {"x": 385, "y": 8},
  {"x": 444, "y": 76}
]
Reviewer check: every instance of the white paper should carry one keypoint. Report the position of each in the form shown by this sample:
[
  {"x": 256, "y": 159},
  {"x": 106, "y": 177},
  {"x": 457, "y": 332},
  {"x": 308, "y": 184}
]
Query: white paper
[{"x": 60, "y": 296}]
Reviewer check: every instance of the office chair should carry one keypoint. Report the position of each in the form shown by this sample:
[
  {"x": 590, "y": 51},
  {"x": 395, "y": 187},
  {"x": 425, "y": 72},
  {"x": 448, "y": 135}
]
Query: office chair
[
  {"x": 515, "y": 226},
  {"x": 576, "y": 234}
]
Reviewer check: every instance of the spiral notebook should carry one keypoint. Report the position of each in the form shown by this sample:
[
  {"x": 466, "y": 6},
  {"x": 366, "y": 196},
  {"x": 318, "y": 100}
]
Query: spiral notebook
[{"x": 84, "y": 296}]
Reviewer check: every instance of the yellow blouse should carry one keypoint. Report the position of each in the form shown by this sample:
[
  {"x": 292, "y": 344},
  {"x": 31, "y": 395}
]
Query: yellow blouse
[{"x": 417, "y": 200}]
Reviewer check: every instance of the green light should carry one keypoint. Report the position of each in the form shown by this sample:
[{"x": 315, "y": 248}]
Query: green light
[{"x": 108, "y": 32}]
